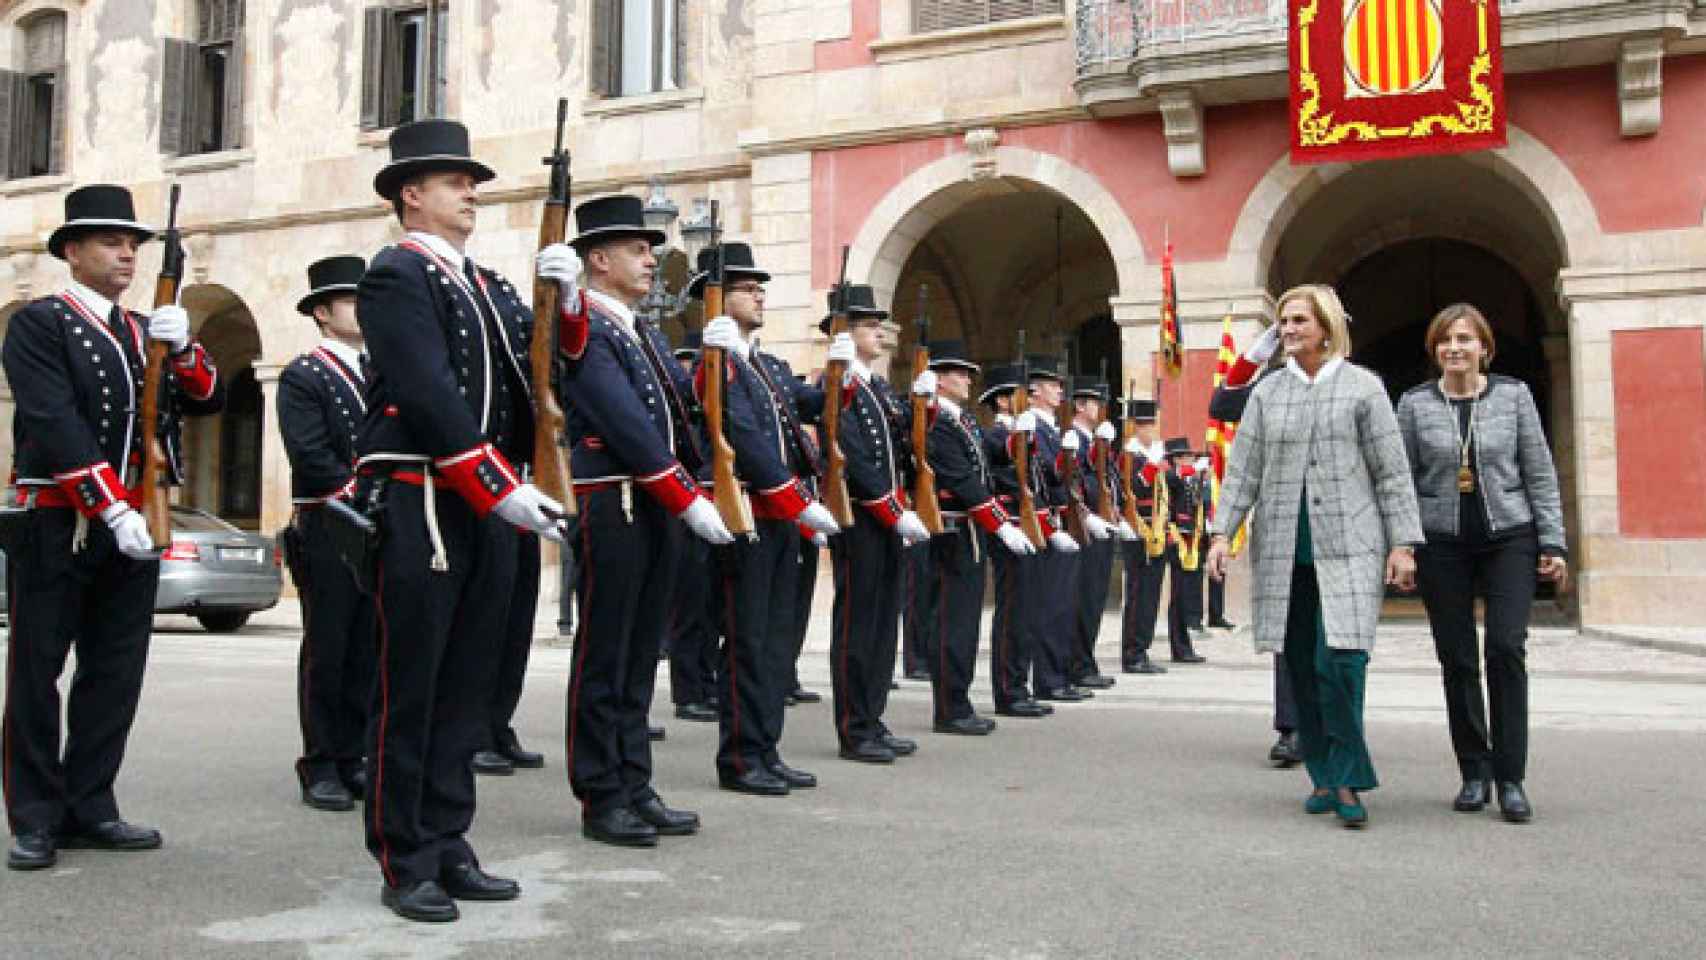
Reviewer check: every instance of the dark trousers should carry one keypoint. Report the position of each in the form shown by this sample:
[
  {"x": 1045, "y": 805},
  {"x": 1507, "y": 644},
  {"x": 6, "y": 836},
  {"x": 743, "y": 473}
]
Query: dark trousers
[
  {"x": 438, "y": 635},
  {"x": 957, "y": 586},
  {"x": 566, "y": 589},
  {"x": 1052, "y": 618},
  {"x": 1329, "y": 685},
  {"x": 101, "y": 602},
  {"x": 865, "y": 624},
  {"x": 336, "y": 663},
  {"x": 517, "y": 641},
  {"x": 1184, "y": 584},
  {"x": 1144, "y": 577},
  {"x": 758, "y": 637},
  {"x": 1448, "y": 573},
  {"x": 1095, "y": 570},
  {"x": 1216, "y": 598},
  {"x": 805, "y": 587},
  {"x": 692, "y": 630},
  {"x": 1285, "y": 702},
  {"x": 628, "y": 562},
  {"x": 1009, "y": 631},
  {"x": 918, "y": 612}
]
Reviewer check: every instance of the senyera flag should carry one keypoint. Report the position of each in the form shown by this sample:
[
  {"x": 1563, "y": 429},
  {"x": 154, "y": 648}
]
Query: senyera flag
[
  {"x": 1221, "y": 433},
  {"x": 1393, "y": 78},
  {"x": 1172, "y": 352}
]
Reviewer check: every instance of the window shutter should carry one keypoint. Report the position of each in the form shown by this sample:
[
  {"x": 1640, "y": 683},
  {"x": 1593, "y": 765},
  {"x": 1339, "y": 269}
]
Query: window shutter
[
  {"x": 177, "y": 96},
  {"x": 678, "y": 55},
  {"x": 56, "y": 147},
  {"x": 604, "y": 53},
  {"x": 375, "y": 42},
  {"x": 437, "y": 48},
  {"x": 14, "y": 92},
  {"x": 233, "y": 121},
  {"x": 931, "y": 15}
]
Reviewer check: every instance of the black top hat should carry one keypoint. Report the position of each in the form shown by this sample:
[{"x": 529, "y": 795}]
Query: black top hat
[
  {"x": 1091, "y": 390},
  {"x": 951, "y": 355},
  {"x": 1178, "y": 447},
  {"x": 737, "y": 263},
  {"x": 690, "y": 344},
  {"x": 1044, "y": 368},
  {"x": 612, "y": 218},
  {"x": 1141, "y": 411},
  {"x": 99, "y": 206},
  {"x": 330, "y": 276},
  {"x": 861, "y": 305},
  {"x": 999, "y": 380},
  {"x": 424, "y": 146}
]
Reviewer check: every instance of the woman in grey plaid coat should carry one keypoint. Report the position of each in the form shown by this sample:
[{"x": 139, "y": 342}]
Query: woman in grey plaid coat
[{"x": 1319, "y": 459}]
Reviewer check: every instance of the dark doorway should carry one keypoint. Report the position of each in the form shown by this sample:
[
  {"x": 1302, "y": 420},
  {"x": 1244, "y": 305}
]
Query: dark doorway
[{"x": 240, "y": 451}]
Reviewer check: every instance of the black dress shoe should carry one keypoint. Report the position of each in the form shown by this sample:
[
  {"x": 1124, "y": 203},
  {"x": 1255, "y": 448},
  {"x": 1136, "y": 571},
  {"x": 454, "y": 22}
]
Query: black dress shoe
[
  {"x": 964, "y": 726},
  {"x": 112, "y": 835},
  {"x": 425, "y": 901},
  {"x": 921, "y": 675},
  {"x": 901, "y": 746},
  {"x": 492, "y": 763},
  {"x": 1145, "y": 665},
  {"x": 1191, "y": 658},
  {"x": 1285, "y": 752},
  {"x": 757, "y": 781},
  {"x": 1223, "y": 624},
  {"x": 655, "y": 734},
  {"x": 33, "y": 850},
  {"x": 1087, "y": 693},
  {"x": 668, "y": 822},
  {"x": 795, "y": 779},
  {"x": 867, "y": 751},
  {"x": 1513, "y": 802},
  {"x": 355, "y": 781},
  {"x": 620, "y": 826},
  {"x": 1022, "y": 708},
  {"x": 1094, "y": 681},
  {"x": 465, "y": 881},
  {"x": 1063, "y": 694},
  {"x": 329, "y": 795},
  {"x": 697, "y": 712},
  {"x": 806, "y": 696},
  {"x": 1473, "y": 796},
  {"x": 521, "y": 759}
]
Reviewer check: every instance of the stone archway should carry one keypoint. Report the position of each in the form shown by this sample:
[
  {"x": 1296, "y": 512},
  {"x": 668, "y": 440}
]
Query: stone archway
[{"x": 224, "y": 452}]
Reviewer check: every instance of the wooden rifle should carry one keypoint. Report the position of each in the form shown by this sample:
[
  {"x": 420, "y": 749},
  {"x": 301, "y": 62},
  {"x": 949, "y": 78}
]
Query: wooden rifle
[
  {"x": 924, "y": 500},
  {"x": 731, "y": 501},
  {"x": 156, "y": 509},
  {"x": 1075, "y": 510},
  {"x": 835, "y": 495},
  {"x": 1021, "y": 452},
  {"x": 1101, "y": 450},
  {"x": 550, "y": 460}
]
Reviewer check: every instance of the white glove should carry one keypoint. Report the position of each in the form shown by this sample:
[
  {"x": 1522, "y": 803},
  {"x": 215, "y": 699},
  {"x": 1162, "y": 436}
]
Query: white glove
[
  {"x": 817, "y": 516},
  {"x": 130, "y": 530},
  {"x": 1058, "y": 540},
  {"x": 722, "y": 333},
  {"x": 561, "y": 263},
  {"x": 171, "y": 326},
  {"x": 841, "y": 348},
  {"x": 1069, "y": 442},
  {"x": 820, "y": 540},
  {"x": 911, "y": 529},
  {"x": 1202, "y": 464},
  {"x": 702, "y": 518},
  {"x": 1097, "y": 527},
  {"x": 527, "y": 508},
  {"x": 1025, "y": 422},
  {"x": 1105, "y": 432},
  {"x": 925, "y": 385},
  {"x": 1263, "y": 349},
  {"x": 1125, "y": 531},
  {"x": 1004, "y": 420},
  {"x": 1015, "y": 540},
  {"x": 1133, "y": 447}
]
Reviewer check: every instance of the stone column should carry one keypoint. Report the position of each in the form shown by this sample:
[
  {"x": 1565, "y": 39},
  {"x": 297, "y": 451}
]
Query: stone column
[
  {"x": 782, "y": 243},
  {"x": 275, "y": 468}
]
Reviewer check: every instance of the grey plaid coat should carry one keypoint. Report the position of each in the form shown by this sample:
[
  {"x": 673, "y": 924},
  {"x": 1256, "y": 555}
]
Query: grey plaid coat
[{"x": 1337, "y": 438}]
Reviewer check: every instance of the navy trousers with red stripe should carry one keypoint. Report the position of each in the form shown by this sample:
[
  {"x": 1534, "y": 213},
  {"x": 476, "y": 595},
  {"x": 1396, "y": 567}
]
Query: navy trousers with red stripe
[
  {"x": 335, "y": 666},
  {"x": 517, "y": 643},
  {"x": 757, "y": 578},
  {"x": 804, "y": 587},
  {"x": 1142, "y": 596},
  {"x": 1094, "y": 575},
  {"x": 918, "y": 612},
  {"x": 865, "y": 625},
  {"x": 1053, "y": 596},
  {"x": 956, "y": 585},
  {"x": 628, "y": 559},
  {"x": 103, "y": 603},
  {"x": 440, "y": 634},
  {"x": 1009, "y": 632},
  {"x": 692, "y": 627}
]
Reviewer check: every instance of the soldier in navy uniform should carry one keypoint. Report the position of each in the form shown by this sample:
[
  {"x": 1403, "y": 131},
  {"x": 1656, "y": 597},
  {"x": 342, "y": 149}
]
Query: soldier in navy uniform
[
  {"x": 630, "y": 425},
  {"x": 321, "y": 404},
  {"x": 867, "y": 555},
  {"x": 1096, "y": 560},
  {"x": 449, "y": 416},
  {"x": 1144, "y": 574},
  {"x": 692, "y": 633},
  {"x": 82, "y": 569},
  {"x": 1009, "y": 636},
  {"x": 1053, "y": 598},
  {"x": 756, "y": 574},
  {"x": 976, "y": 525},
  {"x": 1184, "y": 599}
]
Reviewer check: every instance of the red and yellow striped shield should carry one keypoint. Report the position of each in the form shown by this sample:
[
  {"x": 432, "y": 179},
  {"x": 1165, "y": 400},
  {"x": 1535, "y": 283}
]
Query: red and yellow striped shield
[{"x": 1393, "y": 47}]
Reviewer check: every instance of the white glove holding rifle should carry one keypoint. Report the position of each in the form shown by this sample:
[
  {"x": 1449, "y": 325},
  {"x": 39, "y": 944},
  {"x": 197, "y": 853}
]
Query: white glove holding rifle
[
  {"x": 1015, "y": 540},
  {"x": 560, "y": 262},
  {"x": 130, "y": 531}
]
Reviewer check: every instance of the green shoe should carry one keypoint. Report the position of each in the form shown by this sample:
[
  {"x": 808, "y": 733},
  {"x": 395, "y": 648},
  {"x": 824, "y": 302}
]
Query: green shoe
[
  {"x": 1354, "y": 815},
  {"x": 1319, "y": 803}
]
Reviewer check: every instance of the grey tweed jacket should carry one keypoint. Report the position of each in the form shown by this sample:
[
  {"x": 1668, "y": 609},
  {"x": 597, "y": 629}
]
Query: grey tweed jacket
[{"x": 1337, "y": 440}]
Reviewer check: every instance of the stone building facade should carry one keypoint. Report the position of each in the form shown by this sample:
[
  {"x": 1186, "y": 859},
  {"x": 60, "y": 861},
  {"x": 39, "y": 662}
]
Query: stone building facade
[{"x": 1023, "y": 163}]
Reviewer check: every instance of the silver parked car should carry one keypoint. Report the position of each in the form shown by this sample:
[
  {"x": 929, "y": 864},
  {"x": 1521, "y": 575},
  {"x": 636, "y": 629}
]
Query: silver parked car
[{"x": 211, "y": 571}]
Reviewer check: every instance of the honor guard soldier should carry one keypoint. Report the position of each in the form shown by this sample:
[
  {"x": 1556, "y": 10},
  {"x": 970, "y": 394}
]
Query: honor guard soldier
[
  {"x": 1052, "y": 599},
  {"x": 321, "y": 406},
  {"x": 1184, "y": 572},
  {"x": 1096, "y": 560},
  {"x": 976, "y": 524},
  {"x": 449, "y": 414},
  {"x": 756, "y": 573},
  {"x": 83, "y": 568},
  {"x": 867, "y": 555},
  {"x": 692, "y": 633},
  {"x": 1145, "y": 556},
  {"x": 627, "y": 404},
  {"x": 1010, "y": 640}
]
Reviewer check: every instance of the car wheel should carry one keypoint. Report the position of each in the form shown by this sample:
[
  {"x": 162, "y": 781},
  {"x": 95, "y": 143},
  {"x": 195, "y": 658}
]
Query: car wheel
[{"x": 225, "y": 622}]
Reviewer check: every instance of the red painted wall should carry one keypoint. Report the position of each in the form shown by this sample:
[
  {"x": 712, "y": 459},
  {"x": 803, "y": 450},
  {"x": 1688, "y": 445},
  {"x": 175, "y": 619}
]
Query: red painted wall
[
  {"x": 1659, "y": 382},
  {"x": 855, "y": 51},
  {"x": 1184, "y": 401}
]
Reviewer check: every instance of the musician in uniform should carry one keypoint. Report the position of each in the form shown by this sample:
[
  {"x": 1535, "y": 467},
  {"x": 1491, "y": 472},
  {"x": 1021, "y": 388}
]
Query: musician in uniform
[
  {"x": 756, "y": 573},
  {"x": 449, "y": 415},
  {"x": 629, "y": 424},
  {"x": 321, "y": 405},
  {"x": 692, "y": 633},
  {"x": 1184, "y": 599},
  {"x": 82, "y": 568},
  {"x": 1096, "y": 560},
  {"x": 867, "y": 555},
  {"x": 1052, "y": 599},
  {"x": 1144, "y": 574}
]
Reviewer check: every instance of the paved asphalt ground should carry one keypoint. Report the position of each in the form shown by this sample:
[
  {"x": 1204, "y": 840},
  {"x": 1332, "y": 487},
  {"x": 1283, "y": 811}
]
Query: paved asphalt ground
[{"x": 1143, "y": 824}]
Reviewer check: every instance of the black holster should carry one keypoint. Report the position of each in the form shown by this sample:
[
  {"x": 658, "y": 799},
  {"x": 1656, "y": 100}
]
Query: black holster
[{"x": 356, "y": 537}]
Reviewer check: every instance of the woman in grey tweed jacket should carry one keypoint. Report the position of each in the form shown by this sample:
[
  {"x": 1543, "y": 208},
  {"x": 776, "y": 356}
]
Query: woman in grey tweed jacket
[{"x": 1319, "y": 458}]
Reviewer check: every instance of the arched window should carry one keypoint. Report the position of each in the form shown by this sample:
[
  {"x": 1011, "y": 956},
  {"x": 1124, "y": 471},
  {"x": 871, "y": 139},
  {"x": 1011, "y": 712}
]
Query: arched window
[
  {"x": 32, "y": 100},
  {"x": 240, "y": 449}
]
